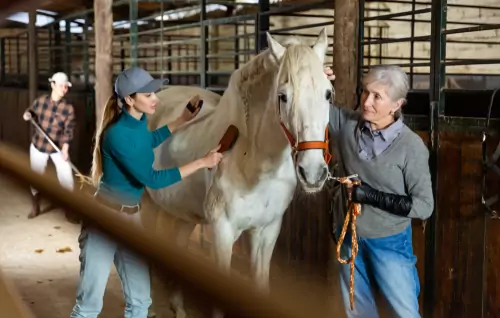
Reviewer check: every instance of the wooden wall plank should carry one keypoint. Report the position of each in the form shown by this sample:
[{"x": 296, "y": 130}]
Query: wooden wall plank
[{"x": 491, "y": 286}]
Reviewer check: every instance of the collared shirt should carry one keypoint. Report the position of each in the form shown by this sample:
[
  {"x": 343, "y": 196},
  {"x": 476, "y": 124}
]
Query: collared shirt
[
  {"x": 373, "y": 142},
  {"x": 57, "y": 119}
]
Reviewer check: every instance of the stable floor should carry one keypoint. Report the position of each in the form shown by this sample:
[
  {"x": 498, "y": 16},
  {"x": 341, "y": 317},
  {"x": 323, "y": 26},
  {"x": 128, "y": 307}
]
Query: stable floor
[{"x": 41, "y": 257}]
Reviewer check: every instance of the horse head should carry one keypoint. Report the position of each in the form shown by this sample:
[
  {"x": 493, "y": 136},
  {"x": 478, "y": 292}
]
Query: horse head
[{"x": 302, "y": 101}]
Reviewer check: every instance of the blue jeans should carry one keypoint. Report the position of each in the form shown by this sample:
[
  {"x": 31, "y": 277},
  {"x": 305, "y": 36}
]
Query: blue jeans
[
  {"x": 385, "y": 263},
  {"x": 98, "y": 252}
]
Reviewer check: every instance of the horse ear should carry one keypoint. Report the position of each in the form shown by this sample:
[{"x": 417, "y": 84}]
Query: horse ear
[
  {"x": 321, "y": 45},
  {"x": 277, "y": 50}
]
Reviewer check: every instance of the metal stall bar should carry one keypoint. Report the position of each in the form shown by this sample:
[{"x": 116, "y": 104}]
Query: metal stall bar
[
  {"x": 133, "y": 13},
  {"x": 436, "y": 112},
  {"x": 204, "y": 44},
  {"x": 262, "y": 25},
  {"x": 367, "y": 42},
  {"x": 2, "y": 60}
]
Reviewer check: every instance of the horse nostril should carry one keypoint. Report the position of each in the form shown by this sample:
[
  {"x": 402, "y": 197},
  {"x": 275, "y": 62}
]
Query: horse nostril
[{"x": 302, "y": 173}]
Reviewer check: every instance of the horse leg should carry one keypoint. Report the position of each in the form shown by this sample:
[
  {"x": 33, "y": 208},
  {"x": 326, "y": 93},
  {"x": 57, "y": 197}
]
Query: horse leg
[
  {"x": 263, "y": 241},
  {"x": 183, "y": 230},
  {"x": 224, "y": 236}
]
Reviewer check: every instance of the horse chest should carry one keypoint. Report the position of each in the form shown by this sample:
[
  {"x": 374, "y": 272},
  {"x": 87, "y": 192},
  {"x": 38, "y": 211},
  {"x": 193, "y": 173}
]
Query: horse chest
[{"x": 263, "y": 205}]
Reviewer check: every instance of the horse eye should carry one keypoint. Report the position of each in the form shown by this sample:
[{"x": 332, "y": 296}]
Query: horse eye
[
  {"x": 283, "y": 98},
  {"x": 328, "y": 94}
]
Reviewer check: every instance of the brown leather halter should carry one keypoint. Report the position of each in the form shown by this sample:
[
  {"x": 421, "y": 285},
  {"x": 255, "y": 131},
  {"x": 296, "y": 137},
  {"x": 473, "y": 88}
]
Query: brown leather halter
[{"x": 306, "y": 145}]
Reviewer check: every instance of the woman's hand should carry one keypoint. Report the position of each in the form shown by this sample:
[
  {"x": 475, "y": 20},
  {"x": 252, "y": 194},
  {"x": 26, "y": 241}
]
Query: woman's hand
[
  {"x": 187, "y": 115},
  {"x": 210, "y": 160},
  {"x": 329, "y": 73},
  {"x": 213, "y": 158}
]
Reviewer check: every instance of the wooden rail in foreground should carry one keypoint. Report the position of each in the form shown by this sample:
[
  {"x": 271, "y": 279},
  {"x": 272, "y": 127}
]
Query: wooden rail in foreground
[
  {"x": 11, "y": 304},
  {"x": 200, "y": 278}
]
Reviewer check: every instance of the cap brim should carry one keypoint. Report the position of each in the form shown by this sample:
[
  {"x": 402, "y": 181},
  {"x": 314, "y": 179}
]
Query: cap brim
[
  {"x": 153, "y": 86},
  {"x": 67, "y": 83}
]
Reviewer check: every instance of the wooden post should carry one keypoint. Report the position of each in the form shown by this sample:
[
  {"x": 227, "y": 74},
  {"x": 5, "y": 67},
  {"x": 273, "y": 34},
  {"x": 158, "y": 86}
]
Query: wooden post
[
  {"x": 345, "y": 66},
  {"x": 32, "y": 56},
  {"x": 345, "y": 52},
  {"x": 103, "y": 15}
]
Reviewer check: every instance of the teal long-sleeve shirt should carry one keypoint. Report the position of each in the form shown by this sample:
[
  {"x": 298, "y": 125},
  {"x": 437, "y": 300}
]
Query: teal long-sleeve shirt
[{"x": 127, "y": 160}]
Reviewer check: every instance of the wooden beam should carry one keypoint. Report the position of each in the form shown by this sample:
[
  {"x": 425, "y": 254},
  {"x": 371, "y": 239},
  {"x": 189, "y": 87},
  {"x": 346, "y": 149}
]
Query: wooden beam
[
  {"x": 32, "y": 56},
  {"x": 346, "y": 16},
  {"x": 345, "y": 51},
  {"x": 103, "y": 15},
  {"x": 11, "y": 304}
]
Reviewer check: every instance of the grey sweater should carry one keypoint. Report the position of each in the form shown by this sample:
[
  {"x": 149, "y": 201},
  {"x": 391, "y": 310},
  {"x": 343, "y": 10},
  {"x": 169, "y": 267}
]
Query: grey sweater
[{"x": 402, "y": 168}]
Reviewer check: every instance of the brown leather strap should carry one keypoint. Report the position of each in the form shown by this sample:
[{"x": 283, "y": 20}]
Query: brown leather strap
[
  {"x": 118, "y": 207},
  {"x": 305, "y": 145}
]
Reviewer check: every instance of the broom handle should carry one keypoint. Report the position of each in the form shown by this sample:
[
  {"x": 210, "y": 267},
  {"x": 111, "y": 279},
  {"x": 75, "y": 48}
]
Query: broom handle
[{"x": 75, "y": 169}]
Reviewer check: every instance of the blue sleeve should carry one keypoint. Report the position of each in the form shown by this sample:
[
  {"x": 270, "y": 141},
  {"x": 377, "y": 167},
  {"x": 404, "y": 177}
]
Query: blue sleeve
[
  {"x": 137, "y": 165},
  {"x": 159, "y": 135}
]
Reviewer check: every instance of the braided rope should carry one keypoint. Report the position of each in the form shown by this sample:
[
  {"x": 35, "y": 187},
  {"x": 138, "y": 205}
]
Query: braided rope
[{"x": 353, "y": 211}]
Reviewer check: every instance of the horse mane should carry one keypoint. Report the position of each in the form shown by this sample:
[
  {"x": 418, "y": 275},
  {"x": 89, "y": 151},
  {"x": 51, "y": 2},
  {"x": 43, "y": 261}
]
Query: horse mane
[
  {"x": 296, "y": 64},
  {"x": 252, "y": 71}
]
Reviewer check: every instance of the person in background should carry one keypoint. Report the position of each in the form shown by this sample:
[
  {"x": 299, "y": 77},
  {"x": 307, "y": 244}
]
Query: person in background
[
  {"x": 122, "y": 166},
  {"x": 392, "y": 164},
  {"x": 56, "y": 116}
]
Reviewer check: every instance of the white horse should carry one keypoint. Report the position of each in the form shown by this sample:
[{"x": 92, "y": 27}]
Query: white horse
[{"x": 279, "y": 101}]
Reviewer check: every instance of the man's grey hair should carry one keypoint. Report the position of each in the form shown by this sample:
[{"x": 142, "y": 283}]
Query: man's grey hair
[{"x": 395, "y": 80}]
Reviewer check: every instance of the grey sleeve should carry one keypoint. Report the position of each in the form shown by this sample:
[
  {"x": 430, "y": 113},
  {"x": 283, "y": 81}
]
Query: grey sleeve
[
  {"x": 338, "y": 116},
  {"x": 418, "y": 180}
]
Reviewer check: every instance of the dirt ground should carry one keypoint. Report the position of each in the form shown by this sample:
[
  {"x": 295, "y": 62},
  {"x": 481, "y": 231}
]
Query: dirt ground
[{"x": 41, "y": 257}]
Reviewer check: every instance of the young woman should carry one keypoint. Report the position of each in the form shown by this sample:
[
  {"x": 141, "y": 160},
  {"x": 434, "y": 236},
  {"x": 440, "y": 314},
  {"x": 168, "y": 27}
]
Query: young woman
[
  {"x": 392, "y": 163},
  {"x": 122, "y": 167}
]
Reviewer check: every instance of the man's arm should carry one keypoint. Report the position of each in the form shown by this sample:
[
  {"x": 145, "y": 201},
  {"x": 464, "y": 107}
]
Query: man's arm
[
  {"x": 69, "y": 126},
  {"x": 33, "y": 110}
]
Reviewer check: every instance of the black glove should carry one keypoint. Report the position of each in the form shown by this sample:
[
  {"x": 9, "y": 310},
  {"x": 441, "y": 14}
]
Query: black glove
[{"x": 393, "y": 203}]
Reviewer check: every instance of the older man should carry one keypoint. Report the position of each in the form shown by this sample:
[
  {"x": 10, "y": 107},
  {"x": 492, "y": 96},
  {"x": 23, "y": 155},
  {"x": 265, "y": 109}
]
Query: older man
[{"x": 56, "y": 116}]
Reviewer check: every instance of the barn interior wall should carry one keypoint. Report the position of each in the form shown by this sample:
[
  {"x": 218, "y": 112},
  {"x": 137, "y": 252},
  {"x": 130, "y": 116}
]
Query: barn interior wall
[
  {"x": 304, "y": 238},
  {"x": 399, "y": 52}
]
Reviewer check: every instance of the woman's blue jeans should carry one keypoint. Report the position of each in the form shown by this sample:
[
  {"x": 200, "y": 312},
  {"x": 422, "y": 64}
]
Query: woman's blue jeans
[
  {"x": 98, "y": 253},
  {"x": 387, "y": 263}
]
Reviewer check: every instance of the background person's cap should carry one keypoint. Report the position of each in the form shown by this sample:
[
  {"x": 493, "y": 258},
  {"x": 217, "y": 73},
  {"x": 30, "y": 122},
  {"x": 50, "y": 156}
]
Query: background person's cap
[
  {"x": 60, "y": 78},
  {"x": 137, "y": 80}
]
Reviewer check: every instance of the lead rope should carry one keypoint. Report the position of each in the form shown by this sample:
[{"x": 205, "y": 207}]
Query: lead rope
[{"x": 353, "y": 210}]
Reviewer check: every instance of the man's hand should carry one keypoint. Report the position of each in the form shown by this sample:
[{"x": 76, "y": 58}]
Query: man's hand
[{"x": 27, "y": 116}]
